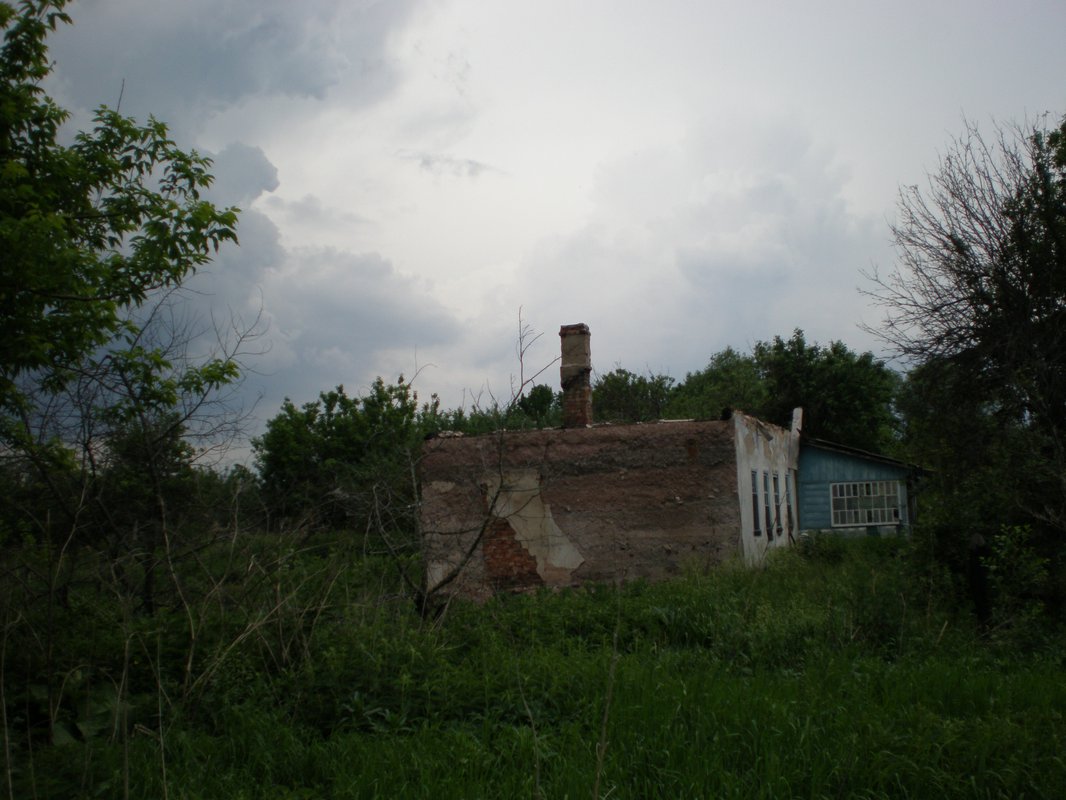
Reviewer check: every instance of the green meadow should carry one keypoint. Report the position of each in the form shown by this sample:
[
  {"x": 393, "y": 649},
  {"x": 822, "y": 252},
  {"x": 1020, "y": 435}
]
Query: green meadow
[{"x": 840, "y": 669}]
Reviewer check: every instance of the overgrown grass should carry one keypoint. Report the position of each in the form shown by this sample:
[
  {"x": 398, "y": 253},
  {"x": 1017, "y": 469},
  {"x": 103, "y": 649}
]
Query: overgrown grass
[{"x": 834, "y": 672}]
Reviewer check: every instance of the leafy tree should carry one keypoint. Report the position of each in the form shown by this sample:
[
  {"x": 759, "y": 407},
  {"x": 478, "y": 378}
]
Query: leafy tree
[
  {"x": 846, "y": 396},
  {"x": 98, "y": 390},
  {"x": 623, "y": 396},
  {"x": 341, "y": 456},
  {"x": 88, "y": 230},
  {"x": 731, "y": 380},
  {"x": 975, "y": 456},
  {"x": 541, "y": 405},
  {"x": 978, "y": 297}
]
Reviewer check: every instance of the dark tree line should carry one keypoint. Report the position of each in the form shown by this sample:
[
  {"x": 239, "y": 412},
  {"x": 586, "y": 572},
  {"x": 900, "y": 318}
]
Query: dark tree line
[
  {"x": 103, "y": 408},
  {"x": 977, "y": 304},
  {"x": 847, "y": 397}
]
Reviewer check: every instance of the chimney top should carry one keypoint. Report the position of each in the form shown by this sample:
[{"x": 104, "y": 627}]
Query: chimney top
[{"x": 576, "y": 328}]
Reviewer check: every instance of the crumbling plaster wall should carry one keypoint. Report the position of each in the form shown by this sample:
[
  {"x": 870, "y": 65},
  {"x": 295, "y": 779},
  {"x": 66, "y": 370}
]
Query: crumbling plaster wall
[
  {"x": 769, "y": 451},
  {"x": 559, "y": 507}
]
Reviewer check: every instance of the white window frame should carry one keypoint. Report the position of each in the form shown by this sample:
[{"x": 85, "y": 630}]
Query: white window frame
[
  {"x": 755, "y": 505},
  {"x": 855, "y": 504},
  {"x": 788, "y": 503},
  {"x": 766, "y": 506},
  {"x": 778, "y": 527}
]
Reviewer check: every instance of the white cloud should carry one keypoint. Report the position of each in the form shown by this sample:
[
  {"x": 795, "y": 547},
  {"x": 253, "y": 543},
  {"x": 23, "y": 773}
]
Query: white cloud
[{"x": 729, "y": 237}]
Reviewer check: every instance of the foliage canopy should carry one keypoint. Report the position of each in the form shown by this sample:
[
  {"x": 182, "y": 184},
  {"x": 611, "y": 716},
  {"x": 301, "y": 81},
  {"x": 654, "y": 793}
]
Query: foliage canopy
[
  {"x": 88, "y": 230},
  {"x": 325, "y": 460},
  {"x": 98, "y": 385},
  {"x": 846, "y": 396},
  {"x": 978, "y": 301},
  {"x": 624, "y": 396}
]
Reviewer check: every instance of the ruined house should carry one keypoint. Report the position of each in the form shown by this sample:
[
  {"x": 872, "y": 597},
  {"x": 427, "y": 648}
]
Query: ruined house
[
  {"x": 522, "y": 509},
  {"x": 517, "y": 510}
]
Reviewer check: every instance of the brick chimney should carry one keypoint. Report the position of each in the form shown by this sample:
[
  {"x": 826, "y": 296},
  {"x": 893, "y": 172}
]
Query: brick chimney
[{"x": 576, "y": 366}]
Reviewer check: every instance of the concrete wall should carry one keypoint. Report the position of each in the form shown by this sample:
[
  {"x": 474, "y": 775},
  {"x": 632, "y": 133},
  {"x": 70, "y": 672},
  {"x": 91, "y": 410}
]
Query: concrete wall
[
  {"x": 772, "y": 454},
  {"x": 559, "y": 507}
]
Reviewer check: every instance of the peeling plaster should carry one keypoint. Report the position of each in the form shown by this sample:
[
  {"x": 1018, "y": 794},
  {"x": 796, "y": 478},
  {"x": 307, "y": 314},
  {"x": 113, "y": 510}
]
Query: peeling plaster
[
  {"x": 435, "y": 572},
  {"x": 517, "y": 499}
]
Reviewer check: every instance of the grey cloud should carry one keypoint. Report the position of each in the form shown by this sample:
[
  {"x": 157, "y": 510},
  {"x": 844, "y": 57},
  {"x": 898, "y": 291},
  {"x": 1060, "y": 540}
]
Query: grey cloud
[
  {"x": 185, "y": 61},
  {"x": 333, "y": 313},
  {"x": 709, "y": 268},
  {"x": 226, "y": 298},
  {"x": 439, "y": 164},
  {"x": 327, "y": 316},
  {"x": 309, "y": 211},
  {"x": 236, "y": 275},
  {"x": 333, "y": 297},
  {"x": 232, "y": 282},
  {"x": 242, "y": 173}
]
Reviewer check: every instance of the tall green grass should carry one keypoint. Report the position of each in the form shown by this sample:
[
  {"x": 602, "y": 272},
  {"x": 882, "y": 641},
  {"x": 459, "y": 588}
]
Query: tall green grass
[{"x": 834, "y": 672}]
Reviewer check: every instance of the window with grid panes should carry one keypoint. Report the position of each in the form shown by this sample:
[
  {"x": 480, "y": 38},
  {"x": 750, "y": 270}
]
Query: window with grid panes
[{"x": 865, "y": 503}]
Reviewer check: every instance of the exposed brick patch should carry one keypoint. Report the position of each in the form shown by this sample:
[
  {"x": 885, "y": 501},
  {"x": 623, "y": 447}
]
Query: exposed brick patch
[
  {"x": 508, "y": 564},
  {"x": 577, "y": 404}
]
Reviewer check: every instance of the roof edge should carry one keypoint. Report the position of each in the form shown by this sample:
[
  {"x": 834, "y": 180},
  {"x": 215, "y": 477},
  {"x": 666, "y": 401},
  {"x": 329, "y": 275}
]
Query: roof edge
[{"x": 824, "y": 444}]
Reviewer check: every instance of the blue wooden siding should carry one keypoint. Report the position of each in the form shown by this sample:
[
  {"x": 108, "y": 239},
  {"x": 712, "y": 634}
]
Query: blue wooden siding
[{"x": 818, "y": 468}]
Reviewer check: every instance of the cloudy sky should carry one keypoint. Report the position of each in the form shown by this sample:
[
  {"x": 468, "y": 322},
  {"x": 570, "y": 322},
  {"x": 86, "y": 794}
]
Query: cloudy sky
[{"x": 681, "y": 176}]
